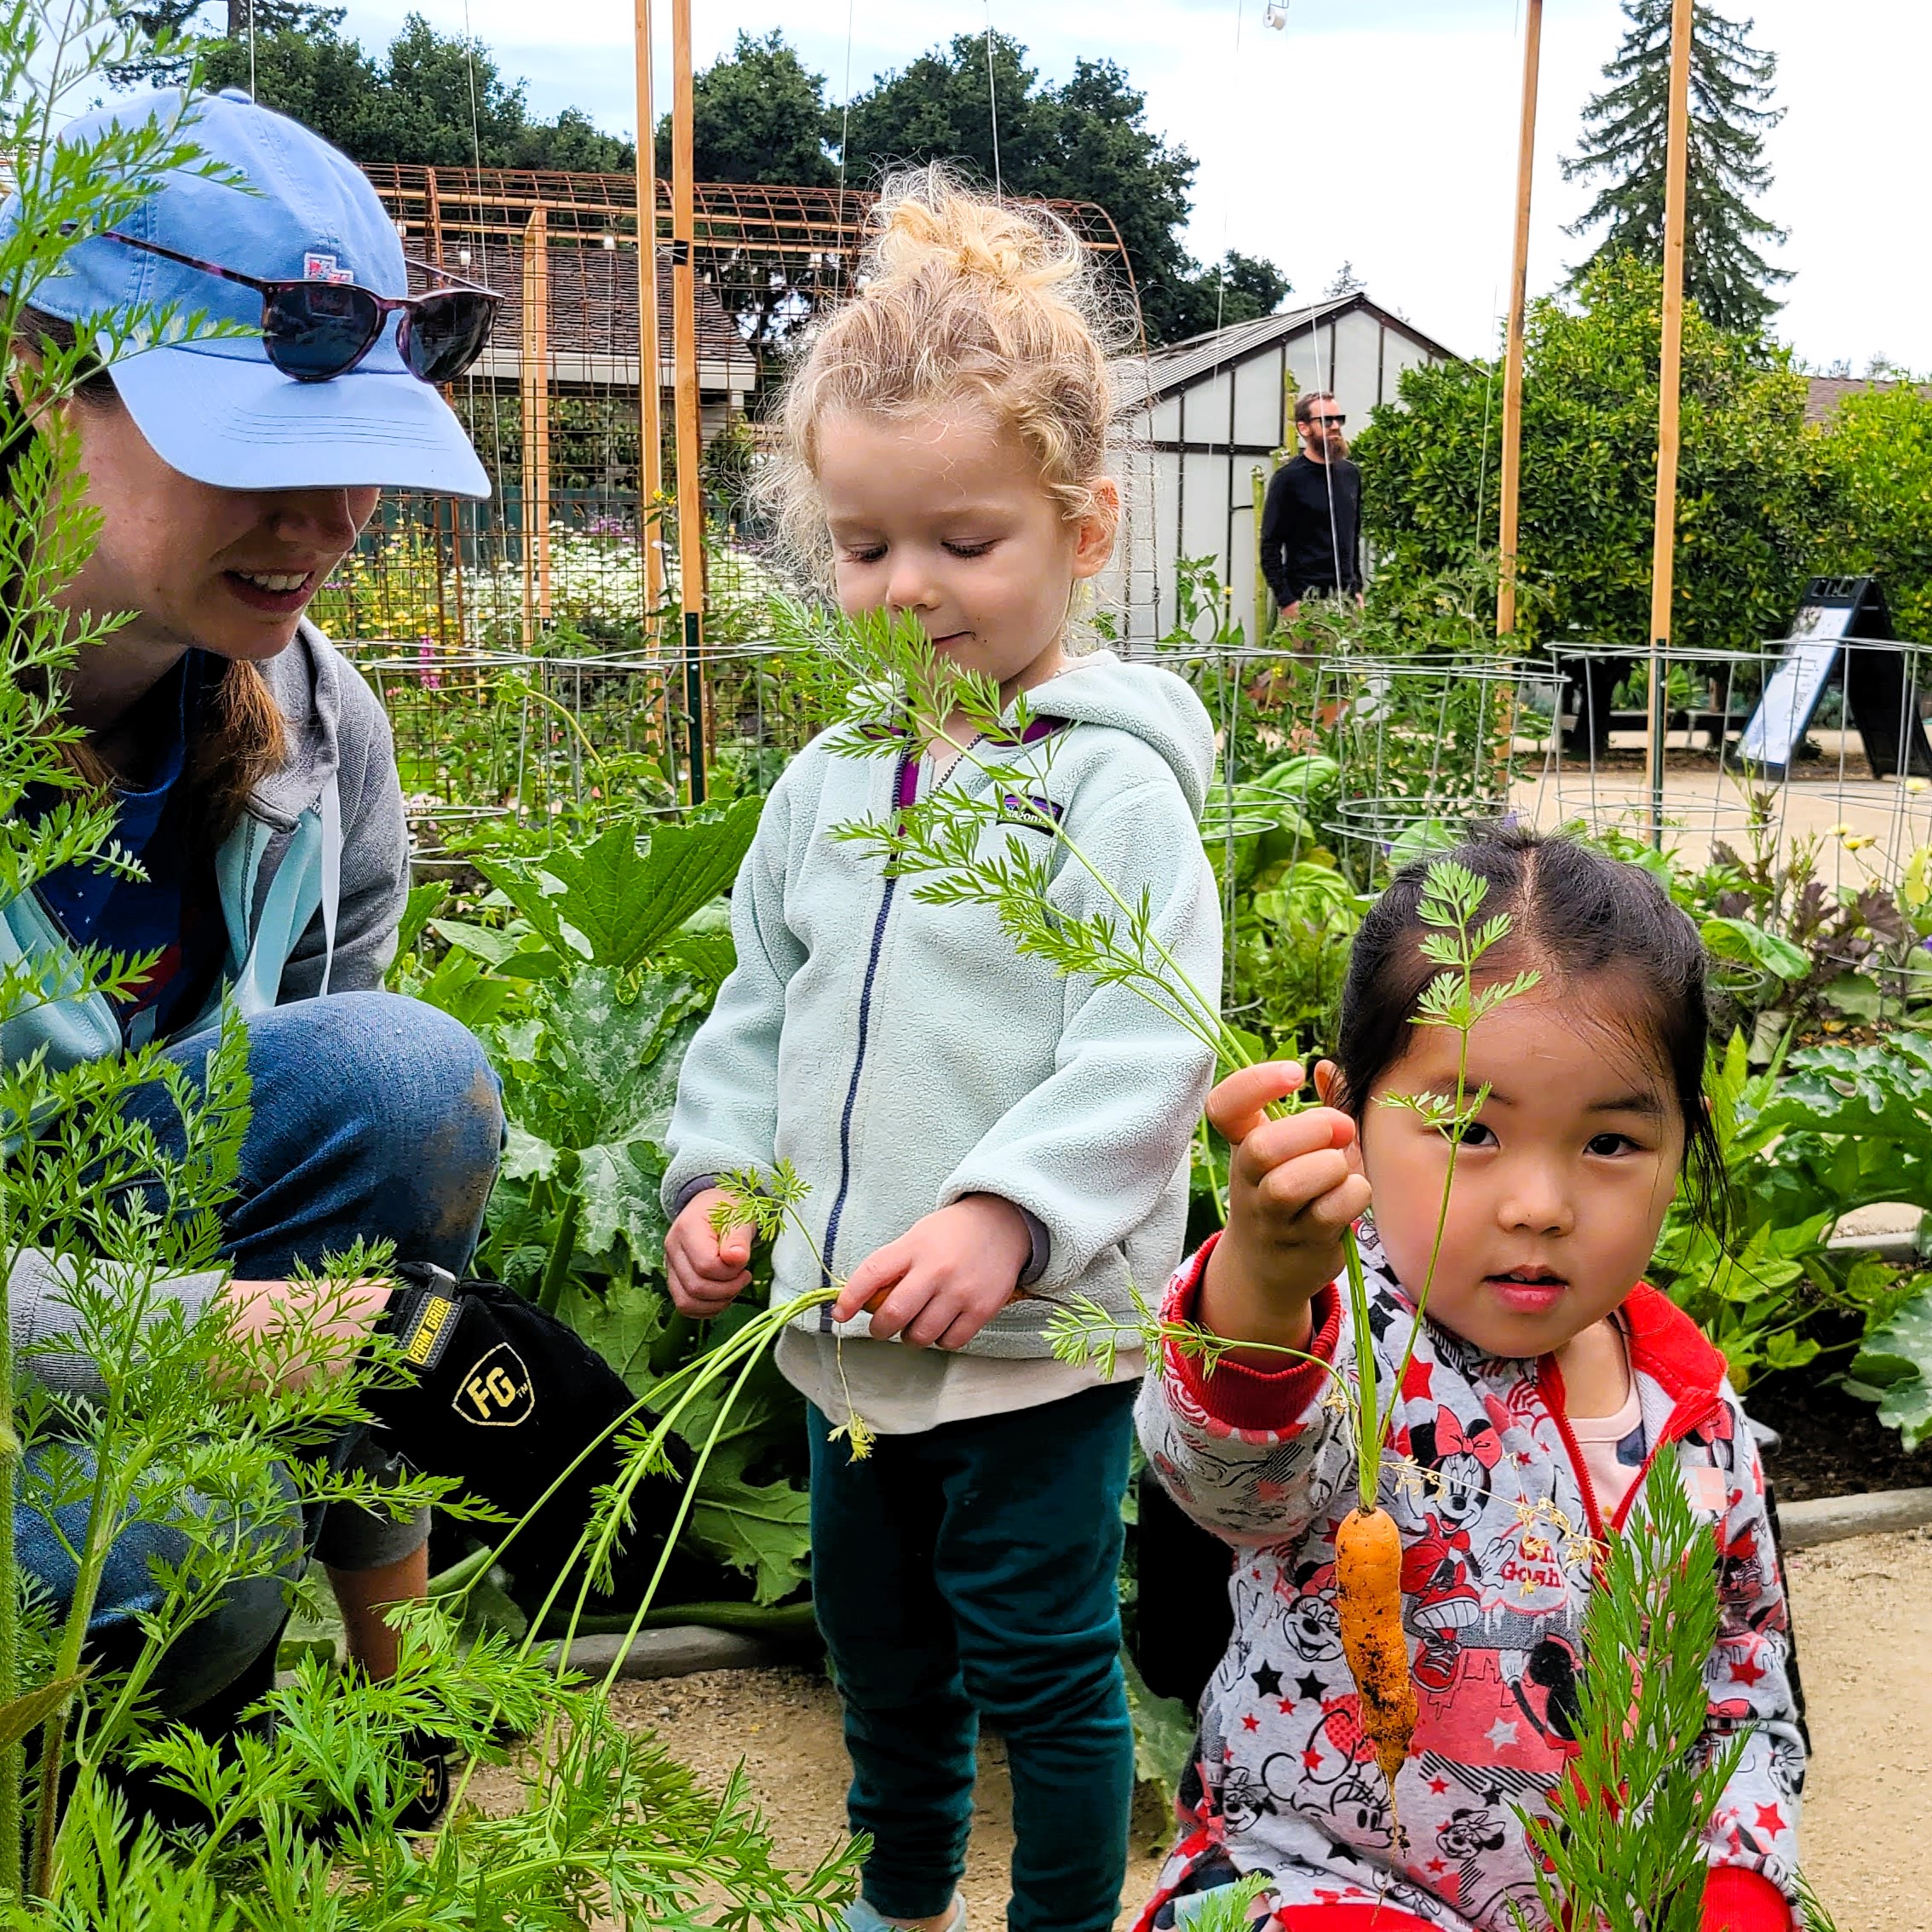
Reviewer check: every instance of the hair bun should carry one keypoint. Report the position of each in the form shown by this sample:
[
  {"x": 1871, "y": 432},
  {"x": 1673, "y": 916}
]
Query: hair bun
[
  {"x": 960, "y": 296},
  {"x": 927, "y": 219}
]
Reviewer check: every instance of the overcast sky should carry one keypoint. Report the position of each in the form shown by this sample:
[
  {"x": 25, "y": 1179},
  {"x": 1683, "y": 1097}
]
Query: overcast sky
[{"x": 1378, "y": 131}]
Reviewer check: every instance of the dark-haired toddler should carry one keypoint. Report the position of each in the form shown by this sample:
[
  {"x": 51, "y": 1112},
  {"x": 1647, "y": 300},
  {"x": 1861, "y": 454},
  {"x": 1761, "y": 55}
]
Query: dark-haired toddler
[{"x": 1546, "y": 1379}]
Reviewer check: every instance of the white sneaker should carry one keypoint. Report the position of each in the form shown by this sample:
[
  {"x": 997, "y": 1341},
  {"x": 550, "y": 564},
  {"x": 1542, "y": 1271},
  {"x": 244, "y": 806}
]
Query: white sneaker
[{"x": 861, "y": 1917}]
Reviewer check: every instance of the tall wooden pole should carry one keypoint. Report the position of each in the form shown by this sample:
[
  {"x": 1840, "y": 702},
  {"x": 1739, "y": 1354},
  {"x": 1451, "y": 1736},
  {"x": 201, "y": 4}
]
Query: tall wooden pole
[
  {"x": 534, "y": 371},
  {"x": 1513, "y": 353},
  {"x": 684, "y": 326},
  {"x": 650, "y": 447},
  {"x": 1670, "y": 378}
]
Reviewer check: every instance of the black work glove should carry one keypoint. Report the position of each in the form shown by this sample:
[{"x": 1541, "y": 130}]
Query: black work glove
[
  {"x": 426, "y": 1767},
  {"x": 429, "y": 1757},
  {"x": 505, "y": 1399}
]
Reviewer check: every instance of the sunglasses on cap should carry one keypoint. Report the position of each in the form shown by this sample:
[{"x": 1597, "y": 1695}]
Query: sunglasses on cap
[{"x": 316, "y": 329}]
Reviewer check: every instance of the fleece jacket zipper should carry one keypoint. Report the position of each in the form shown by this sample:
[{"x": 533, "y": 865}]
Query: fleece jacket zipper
[{"x": 905, "y": 792}]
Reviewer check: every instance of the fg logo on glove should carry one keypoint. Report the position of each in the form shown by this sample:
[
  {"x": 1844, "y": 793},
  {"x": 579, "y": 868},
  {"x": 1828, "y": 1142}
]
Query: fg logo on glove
[{"x": 498, "y": 1391}]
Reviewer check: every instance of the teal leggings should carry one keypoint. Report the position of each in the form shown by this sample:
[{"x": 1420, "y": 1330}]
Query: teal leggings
[{"x": 970, "y": 1572}]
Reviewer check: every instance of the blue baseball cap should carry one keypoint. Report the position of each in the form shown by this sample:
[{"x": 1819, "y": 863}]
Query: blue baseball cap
[{"x": 218, "y": 410}]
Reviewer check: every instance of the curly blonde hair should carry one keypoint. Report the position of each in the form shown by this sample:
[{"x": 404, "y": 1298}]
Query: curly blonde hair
[{"x": 960, "y": 296}]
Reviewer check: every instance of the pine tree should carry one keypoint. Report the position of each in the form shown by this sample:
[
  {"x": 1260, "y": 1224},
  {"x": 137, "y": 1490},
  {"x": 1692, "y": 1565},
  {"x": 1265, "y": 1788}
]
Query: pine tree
[{"x": 1627, "y": 128}]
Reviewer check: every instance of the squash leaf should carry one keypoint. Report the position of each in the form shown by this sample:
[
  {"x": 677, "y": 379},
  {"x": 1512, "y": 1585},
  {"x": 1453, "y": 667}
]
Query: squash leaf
[
  {"x": 1895, "y": 1363},
  {"x": 626, "y": 904},
  {"x": 762, "y": 1529}
]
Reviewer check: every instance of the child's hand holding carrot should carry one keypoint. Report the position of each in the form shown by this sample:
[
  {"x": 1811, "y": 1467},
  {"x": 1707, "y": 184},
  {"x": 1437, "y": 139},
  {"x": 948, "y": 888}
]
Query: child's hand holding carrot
[
  {"x": 945, "y": 1278},
  {"x": 1294, "y": 1187}
]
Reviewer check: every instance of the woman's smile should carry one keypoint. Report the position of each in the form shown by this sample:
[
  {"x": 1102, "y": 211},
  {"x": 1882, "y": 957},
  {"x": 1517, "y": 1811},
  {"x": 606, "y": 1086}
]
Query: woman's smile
[{"x": 279, "y": 592}]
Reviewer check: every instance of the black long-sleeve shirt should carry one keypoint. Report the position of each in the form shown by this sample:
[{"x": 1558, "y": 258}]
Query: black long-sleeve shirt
[{"x": 1310, "y": 531}]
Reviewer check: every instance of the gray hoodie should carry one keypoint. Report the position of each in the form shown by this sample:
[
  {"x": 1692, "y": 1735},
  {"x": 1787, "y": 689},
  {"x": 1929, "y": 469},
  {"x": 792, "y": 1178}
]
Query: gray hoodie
[
  {"x": 902, "y": 1056},
  {"x": 313, "y": 882}
]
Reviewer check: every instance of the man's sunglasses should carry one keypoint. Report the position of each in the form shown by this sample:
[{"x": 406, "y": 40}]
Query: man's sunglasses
[
  {"x": 1325, "y": 422},
  {"x": 315, "y": 329}
]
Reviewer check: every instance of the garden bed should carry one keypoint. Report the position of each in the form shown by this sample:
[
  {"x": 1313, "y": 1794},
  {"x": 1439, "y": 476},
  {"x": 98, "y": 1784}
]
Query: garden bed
[{"x": 1832, "y": 1443}]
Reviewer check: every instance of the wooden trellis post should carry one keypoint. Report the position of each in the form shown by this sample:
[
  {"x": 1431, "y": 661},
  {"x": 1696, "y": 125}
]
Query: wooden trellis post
[
  {"x": 1257, "y": 491},
  {"x": 650, "y": 450},
  {"x": 1670, "y": 378},
  {"x": 534, "y": 370},
  {"x": 690, "y": 434},
  {"x": 1512, "y": 474}
]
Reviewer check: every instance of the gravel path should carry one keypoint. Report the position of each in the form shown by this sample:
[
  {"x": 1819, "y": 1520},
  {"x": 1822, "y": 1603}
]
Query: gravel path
[
  {"x": 1870, "y": 1709},
  {"x": 1869, "y": 1698}
]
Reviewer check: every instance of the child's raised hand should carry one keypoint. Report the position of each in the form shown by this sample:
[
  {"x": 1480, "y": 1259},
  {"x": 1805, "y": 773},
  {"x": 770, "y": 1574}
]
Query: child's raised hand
[
  {"x": 1295, "y": 1185},
  {"x": 946, "y": 1277},
  {"x": 706, "y": 1270}
]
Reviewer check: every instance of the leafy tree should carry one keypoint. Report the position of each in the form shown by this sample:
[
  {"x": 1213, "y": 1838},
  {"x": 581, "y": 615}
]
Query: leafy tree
[
  {"x": 1628, "y": 124},
  {"x": 1756, "y": 497},
  {"x": 324, "y": 80},
  {"x": 1084, "y": 140},
  {"x": 758, "y": 114},
  {"x": 433, "y": 98},
  {"x": 1880, "y": 446},
  {"x": 423, "y": 110},
  {"x": 175, "y": 24},
  {"x": 1248, "y": 287}
]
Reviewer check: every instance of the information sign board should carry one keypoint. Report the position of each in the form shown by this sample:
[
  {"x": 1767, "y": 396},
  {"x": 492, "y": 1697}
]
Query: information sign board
[{"x": 1842, "y": 621}]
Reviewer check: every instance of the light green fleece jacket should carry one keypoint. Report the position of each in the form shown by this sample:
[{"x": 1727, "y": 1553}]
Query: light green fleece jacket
[{"x": 902, "y": 1056}]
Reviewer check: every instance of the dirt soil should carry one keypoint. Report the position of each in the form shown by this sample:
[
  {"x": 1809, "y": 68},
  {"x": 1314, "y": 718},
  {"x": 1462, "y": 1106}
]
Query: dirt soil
[
  {"x": 1870, "y": 1711},
  {"x": 1833, "y": 1443}
]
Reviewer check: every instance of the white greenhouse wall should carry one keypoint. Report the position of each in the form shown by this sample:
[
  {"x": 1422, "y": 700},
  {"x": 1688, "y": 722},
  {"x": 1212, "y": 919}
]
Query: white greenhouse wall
[{"x": 1190, "y": 468}]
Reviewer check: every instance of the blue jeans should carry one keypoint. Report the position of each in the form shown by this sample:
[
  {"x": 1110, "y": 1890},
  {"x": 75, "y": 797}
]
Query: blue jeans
[
  {"x": 373, "y": 1115},
  {"x": 973, "y": 1569}
]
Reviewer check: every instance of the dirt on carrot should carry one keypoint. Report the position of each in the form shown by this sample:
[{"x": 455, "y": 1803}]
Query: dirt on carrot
[{"x": 1368, "y": 1603}]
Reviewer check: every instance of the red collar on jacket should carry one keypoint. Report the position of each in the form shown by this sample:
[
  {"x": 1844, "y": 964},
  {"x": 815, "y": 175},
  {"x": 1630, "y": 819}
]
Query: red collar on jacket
[{"x": 1669, "y": 1346}]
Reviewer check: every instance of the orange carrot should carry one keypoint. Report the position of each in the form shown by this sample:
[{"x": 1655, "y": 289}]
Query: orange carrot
[
  {"x": 1368, "y": 1598},
  {"x": 878, "y": 1300}
]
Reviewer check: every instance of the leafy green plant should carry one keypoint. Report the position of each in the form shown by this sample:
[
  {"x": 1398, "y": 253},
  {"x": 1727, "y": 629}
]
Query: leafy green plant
[
  {"x": 1894, "y": 1367},
  {"x": 1164, "y": 1734},
  {"x": 587, "y": 970},
  {"x": 1746, "y": 1286},
  {"x": 1787, "y": 945},
  {"x": 1623, "y": 1844},
  {"x": 1805, "y": 1140},
  {"x": 1855, "y": 1124},
  {"x": 1289, "y": 947}
]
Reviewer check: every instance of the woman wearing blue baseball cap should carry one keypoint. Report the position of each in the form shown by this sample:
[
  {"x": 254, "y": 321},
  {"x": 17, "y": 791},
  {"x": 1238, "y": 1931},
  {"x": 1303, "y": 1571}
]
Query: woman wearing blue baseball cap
[{"x": 255, "y": 776}]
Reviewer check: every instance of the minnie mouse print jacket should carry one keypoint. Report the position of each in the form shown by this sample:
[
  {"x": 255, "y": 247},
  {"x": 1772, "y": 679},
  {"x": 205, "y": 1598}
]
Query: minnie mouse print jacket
[{"x": 1499, "y": 1526}]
